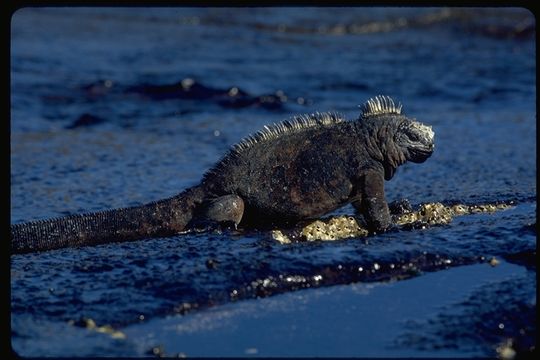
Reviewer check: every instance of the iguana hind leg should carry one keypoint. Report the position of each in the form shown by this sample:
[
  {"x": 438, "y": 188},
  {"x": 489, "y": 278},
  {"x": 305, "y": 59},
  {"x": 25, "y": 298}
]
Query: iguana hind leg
[{"x": 223, "y": 210}]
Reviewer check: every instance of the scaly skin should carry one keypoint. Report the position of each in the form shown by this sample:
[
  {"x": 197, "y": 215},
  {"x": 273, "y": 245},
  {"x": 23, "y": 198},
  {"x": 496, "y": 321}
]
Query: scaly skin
[
  {"x": 157, "y": 219},
  {"x": 296, "y": 170}
]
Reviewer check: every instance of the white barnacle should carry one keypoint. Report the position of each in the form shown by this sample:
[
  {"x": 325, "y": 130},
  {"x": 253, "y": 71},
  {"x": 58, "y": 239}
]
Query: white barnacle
[{"x": 187, "y": 83}]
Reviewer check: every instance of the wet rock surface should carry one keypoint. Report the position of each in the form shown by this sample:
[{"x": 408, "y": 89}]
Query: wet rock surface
[
  {"x": 342, "y": 227},
  {"x": 501, "y": 330},
  {"x": 178, "y": 274}
]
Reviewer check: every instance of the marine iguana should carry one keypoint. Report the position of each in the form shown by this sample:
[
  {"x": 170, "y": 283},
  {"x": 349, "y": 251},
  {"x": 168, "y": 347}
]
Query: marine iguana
[{"x": 298, "y": 169}]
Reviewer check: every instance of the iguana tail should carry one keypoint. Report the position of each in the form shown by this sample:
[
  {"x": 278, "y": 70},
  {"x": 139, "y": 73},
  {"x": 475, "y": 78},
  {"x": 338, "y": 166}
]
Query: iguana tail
[{"x": 156, "y": 219}]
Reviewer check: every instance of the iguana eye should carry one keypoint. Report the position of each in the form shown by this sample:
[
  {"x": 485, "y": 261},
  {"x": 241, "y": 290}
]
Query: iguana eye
[{"x": 413, "y": 136}]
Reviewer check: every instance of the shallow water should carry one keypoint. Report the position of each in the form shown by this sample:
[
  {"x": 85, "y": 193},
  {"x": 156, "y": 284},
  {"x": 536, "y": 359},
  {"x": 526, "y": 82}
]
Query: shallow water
[{"x": 468, "y": 72}]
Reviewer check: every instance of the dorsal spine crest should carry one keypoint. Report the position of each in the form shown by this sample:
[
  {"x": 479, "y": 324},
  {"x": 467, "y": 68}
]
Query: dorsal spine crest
[
  {"x": 270, "y": 132},
  {"x": 380, "y": 104},
  {"x": 297, "y": 123}
]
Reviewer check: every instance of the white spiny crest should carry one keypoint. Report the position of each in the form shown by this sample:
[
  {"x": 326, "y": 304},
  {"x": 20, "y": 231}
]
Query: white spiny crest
[
  {"x": 297, "y": 123},
  {"x": 380, "y": 104}
]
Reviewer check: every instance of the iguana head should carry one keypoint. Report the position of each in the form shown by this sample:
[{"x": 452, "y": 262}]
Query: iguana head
[
  {"x": 397, "y": 138},
  {"x": 415, "y": 139}
]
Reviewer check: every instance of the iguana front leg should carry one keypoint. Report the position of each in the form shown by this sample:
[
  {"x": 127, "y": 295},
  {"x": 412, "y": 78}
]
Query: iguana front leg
[{"x": 372, "y": 204}]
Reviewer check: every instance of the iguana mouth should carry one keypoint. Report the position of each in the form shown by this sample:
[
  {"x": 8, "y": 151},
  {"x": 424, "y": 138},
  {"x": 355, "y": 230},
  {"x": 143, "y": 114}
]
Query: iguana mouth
[{"x": 419, "y": 155}]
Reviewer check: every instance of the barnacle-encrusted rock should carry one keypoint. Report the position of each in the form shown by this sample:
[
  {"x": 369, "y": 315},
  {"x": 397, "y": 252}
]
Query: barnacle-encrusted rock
[
  {"x": 487, "y": 208},
  {"x": 342, "y": 227},
  {"x": 439, "y": 214},
  {"x": 336, "y": 228},
  {"x": 505, "y": 350},
  {"x": 280, "y": 237},
  {"x": 90, "y": 324},
  {"x": 430, "y": 213}
]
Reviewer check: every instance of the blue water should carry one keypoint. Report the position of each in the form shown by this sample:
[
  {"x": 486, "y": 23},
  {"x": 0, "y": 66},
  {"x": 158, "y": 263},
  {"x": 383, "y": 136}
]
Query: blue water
[{"x": 470, "y": 73}]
